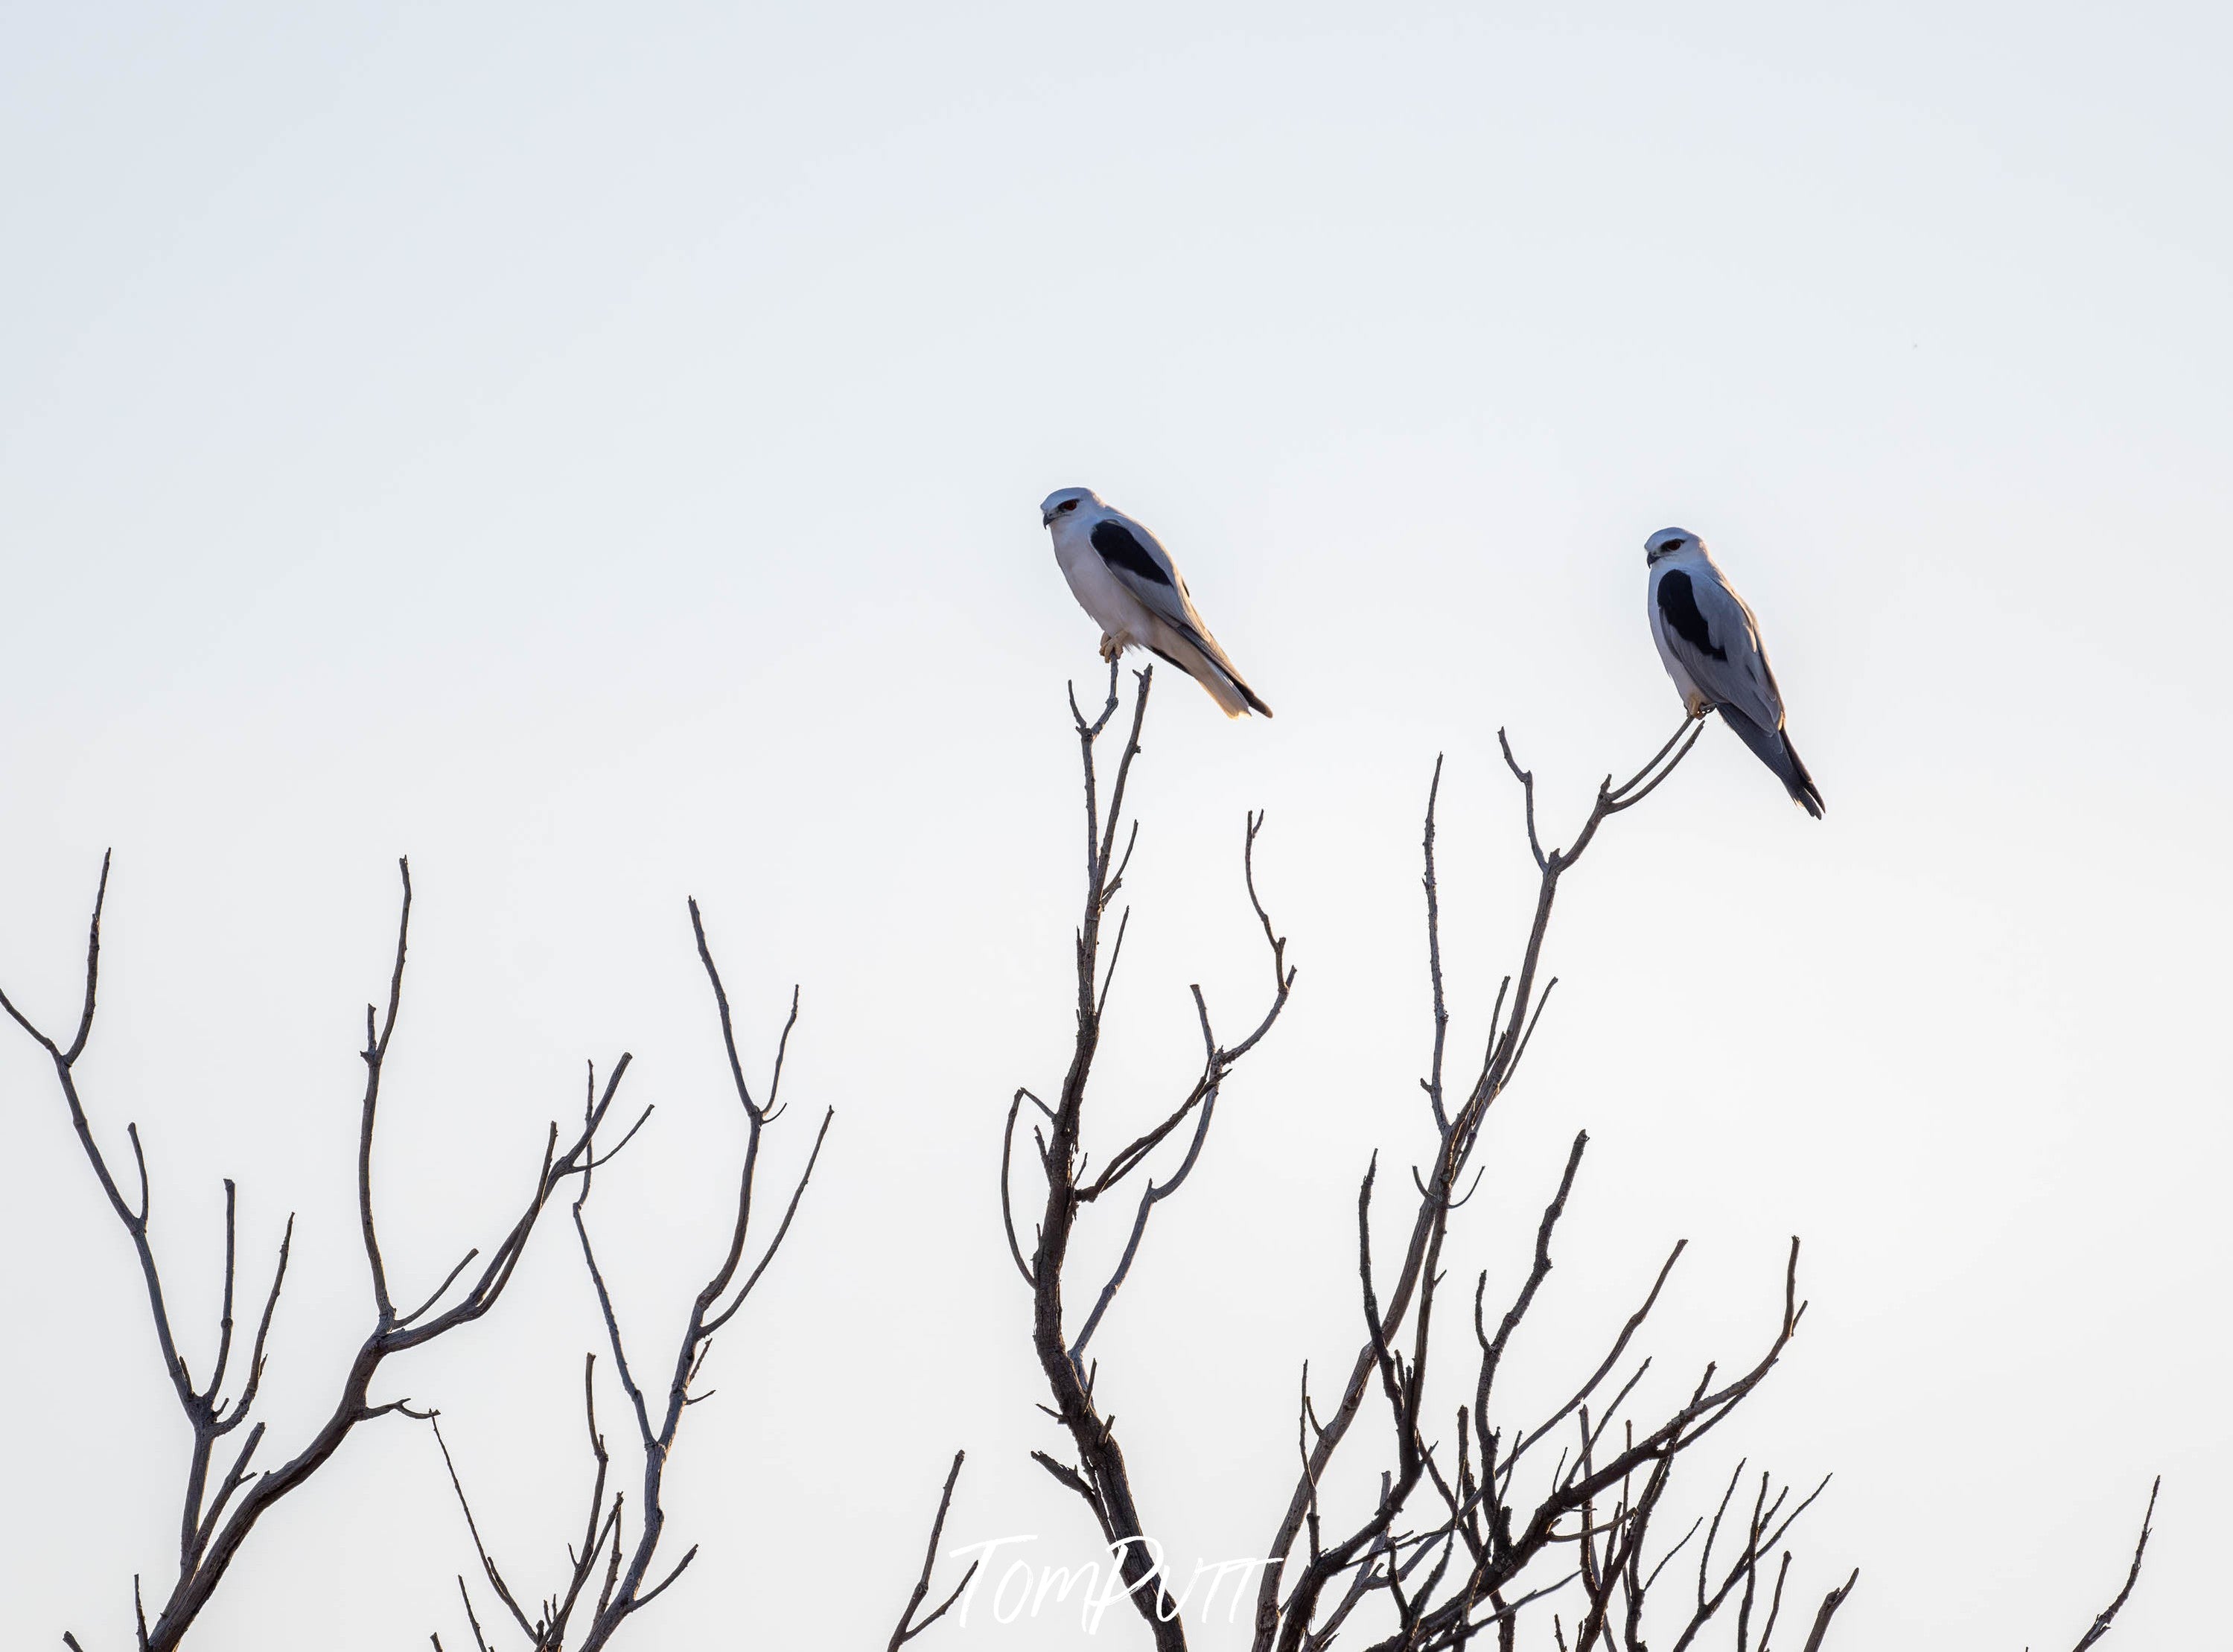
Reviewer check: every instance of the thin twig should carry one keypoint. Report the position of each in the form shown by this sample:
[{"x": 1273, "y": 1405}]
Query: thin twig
[
  {"x": 909, "y": 1629},
  {"x": 2108, "y": 1613}
]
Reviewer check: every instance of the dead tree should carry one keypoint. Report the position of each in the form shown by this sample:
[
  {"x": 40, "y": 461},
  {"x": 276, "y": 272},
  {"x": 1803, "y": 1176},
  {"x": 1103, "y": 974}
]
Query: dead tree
[
  {"x": 1459, "y": 1542},
  {"x": 1450, "y": 1550},
  {"x": 1100, "y": 1476},
  {"x": 1456, "y": 1544},
  {"x": 605, "y": 1557},
  {"x": 1475, "y": 1532},
  {"x": 215, "y": 1521}
]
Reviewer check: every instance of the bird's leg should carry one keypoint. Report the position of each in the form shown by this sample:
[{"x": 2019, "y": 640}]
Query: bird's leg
[{"x": 1111, "y": 647}]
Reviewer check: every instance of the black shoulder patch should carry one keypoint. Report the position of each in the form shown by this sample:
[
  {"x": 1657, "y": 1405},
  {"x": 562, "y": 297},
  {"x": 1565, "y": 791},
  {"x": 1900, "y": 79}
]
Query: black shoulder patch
[
  {"x": 1121, "y": 550},
  {"x": 1678, "y": 606}
]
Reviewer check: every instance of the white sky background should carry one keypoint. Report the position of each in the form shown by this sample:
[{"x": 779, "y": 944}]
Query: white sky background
[{"x": 597, "y": 453}]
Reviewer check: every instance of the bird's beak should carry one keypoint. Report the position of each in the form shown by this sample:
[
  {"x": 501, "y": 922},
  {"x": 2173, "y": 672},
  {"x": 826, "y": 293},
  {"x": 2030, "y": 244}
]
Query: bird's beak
[{"x": 1046, "y": 519}]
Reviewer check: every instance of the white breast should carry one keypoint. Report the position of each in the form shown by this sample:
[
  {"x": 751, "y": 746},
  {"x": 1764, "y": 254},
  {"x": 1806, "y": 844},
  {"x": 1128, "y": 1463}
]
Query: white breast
[
  {"x": 1684, "y": 685},
  {"x": 1110, "y": 605}
]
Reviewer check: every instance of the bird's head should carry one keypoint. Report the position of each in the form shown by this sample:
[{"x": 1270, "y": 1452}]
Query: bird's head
[
  {"x": 1667, "y": 541},
  {"x": 1066, "y": 501}
]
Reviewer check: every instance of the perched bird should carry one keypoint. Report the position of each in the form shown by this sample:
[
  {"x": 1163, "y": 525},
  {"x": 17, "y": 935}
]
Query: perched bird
[
  {"x": 1710, "y": 645},
  {"x": 1125, "y": 579}
]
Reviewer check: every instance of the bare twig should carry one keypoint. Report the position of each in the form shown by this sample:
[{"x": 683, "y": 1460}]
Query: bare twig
[
  {"x": 908, "y": 1628},
  {"x": 2108, "y": 1613}
]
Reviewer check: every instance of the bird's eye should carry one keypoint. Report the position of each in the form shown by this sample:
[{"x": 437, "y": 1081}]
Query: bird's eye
[
  {"x": 1672, "y": 544},
  {"x": 1067, "y": 504}
]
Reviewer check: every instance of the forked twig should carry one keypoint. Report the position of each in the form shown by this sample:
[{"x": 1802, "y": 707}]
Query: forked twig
[{"x": 908, "y": 1628}]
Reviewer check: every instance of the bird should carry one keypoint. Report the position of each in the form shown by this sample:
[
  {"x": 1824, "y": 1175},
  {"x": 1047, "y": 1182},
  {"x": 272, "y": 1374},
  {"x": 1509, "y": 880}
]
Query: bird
[
  {"x": 1128, "y": 584},
  {"x": 1710, "y": 644}
]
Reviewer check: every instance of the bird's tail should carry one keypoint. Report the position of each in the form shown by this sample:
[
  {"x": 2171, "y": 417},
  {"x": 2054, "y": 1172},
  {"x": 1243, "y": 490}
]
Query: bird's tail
[
  {"x": 1209, "y": 667},
  {"x": 1773, "y": 747}
]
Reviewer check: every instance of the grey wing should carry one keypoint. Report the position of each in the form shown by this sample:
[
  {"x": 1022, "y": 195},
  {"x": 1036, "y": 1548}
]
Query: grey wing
[
  {"x": 1143, "y": 567},
  {"x": 1710, "y": 629}
]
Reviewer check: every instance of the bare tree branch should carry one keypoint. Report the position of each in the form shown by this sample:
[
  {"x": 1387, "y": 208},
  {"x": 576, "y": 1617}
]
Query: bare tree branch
[
  {"x": 1457, "y": 1130},
  {"x": 626, "y": 1589},
  {"x": 1466, "y": 1572},
  {"x": 1102, "y": 1479},
  {"x": 215, "y": 1524}
]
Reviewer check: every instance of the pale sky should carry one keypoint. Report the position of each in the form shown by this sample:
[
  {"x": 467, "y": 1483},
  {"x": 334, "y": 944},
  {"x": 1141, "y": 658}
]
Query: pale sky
[{"x": 595, "y": 451}]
